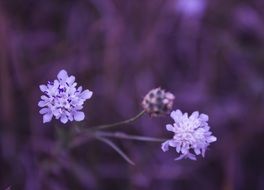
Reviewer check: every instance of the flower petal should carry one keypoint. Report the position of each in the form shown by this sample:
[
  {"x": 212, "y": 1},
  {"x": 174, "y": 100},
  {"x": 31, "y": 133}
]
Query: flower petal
[
  {"x": 62, "y": 76},
  {"x": 173, "y": 143},
  {"x": 79, "y": 88},
  {"x": 64, "y": 119},
  {"x": 180, "y": 157},
  {"x": 86, "y": 94},
  {"x": 194, "y": 115},
  {"x": 47, "y": 117},
  {"x": 178, "y": 148},
  {"x": 176, "y": 115},
  {"x": 43, "y": 97},
  {"x": 42, "y": 103},
  {"x": 44, "y": 110},
  {"x": 204, "y": 117},
  {"x": 184, "y": 148},
  {"x": 197, "y": 151},
  {"x": 190, "y": 156},
  {"x": 56, "y": 113},
  {"x": 56, "y": 84},
  {"x": 165, "y": 146},
  {"x": 169, "y": 127},
  {"x": 70, "y": 80},
  {"x": 43, "y": 87},
  {"x": 211, "y": 139},
  {"x": 79, "y": 116}
]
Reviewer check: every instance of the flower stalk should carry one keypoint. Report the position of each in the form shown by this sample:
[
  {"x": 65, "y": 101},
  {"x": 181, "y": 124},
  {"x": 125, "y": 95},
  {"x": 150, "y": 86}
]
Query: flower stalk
[
  {"x": 121, "y": 135},
  {"x": 125, "y": 122}
]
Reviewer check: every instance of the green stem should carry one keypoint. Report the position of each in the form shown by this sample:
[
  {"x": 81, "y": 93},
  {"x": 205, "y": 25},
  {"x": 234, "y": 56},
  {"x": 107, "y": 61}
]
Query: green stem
[{"x": 125, "y": 122}]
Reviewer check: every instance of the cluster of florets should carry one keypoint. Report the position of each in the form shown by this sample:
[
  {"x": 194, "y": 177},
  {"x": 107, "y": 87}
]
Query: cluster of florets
[
  {"x": 62, "y": 99},
  {"x": 191, "y": 134}
]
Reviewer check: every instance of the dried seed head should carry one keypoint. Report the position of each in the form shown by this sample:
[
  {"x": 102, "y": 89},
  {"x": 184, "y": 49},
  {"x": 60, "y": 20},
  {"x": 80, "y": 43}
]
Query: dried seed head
[{"x": 158, "y": 102}]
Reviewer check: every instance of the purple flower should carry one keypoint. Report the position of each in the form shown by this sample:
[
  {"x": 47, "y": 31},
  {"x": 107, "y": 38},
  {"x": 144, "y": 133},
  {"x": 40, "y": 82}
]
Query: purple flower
[
  {"x": 62, "y": 100},
  {"x": 191, "y": 134}
]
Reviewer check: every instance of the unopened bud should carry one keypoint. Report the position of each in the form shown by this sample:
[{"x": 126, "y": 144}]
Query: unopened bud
[{"x": 158, "y": 102}]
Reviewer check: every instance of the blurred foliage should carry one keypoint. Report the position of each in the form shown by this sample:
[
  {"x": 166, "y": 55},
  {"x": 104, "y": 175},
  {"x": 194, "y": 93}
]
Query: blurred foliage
[{"x": 208, "y": 53}]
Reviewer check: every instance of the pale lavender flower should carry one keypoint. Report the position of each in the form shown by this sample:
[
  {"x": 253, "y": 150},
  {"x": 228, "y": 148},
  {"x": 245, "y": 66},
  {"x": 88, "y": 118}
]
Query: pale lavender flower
[
  {"x": 62, "y": 100},
  {"x": 192, "y": 134}
]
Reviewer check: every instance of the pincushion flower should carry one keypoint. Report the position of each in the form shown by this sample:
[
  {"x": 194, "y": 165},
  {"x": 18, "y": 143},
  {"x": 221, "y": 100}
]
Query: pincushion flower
[
  {"x": 192, "y": 134},
  {"x": 62, "y": 99}
]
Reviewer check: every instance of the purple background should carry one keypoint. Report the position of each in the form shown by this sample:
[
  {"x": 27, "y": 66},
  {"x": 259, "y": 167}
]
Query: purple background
[{"x": 208, "y": 53}]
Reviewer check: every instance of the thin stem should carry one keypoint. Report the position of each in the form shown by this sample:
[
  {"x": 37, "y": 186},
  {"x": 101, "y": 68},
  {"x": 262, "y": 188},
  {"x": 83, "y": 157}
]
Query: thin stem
[
  {"x": 120, "y": 135},
  {"x": 117, "y": 149},
  {"x": 81, "y": 139},
  {"x": 125, "y": 122}
]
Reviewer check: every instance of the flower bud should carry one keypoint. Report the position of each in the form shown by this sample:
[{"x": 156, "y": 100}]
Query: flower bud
[{"x": 157, "y": 102}]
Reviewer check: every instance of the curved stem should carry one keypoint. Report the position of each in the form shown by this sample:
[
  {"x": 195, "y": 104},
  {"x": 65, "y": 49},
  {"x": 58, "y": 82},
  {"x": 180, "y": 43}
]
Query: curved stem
[
  {"x": 120, "y": 135},
  {"x": 117, "y": 149},
  {"x": 125, "y": 122}
]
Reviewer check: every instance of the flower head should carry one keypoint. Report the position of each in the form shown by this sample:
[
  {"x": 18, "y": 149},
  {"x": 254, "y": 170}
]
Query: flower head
[
  {"x": 158, "y": 102},
  {"x": 62, "y": 100},
  {"x": 191, "y": 134}
]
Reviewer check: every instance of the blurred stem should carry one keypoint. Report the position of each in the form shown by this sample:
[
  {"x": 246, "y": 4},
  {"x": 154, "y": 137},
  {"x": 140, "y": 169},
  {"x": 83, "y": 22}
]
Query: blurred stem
[
  {"x": 116, "y": 148},
  {"x": 125, "y": 122},
  {"x": 64, "y": 135},
  {"x": 84, "y": 137},
  {"x": 120, "y": 135}
]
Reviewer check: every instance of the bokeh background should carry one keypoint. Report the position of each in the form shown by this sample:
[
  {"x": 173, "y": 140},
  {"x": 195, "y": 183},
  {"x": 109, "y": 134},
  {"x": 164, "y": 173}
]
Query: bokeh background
[{"x": 209, "y": 53}]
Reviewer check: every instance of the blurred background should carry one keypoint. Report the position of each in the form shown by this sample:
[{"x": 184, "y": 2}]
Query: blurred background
[{"x": 209, "y": 53}]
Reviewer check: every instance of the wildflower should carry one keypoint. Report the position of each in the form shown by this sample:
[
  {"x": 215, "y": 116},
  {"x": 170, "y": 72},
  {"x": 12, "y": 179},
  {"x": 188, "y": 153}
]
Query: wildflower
[
  {"x": 158, "y": 102},
  {"x": 62, "y": 100},
  {"x": 191, "y": 134}
]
